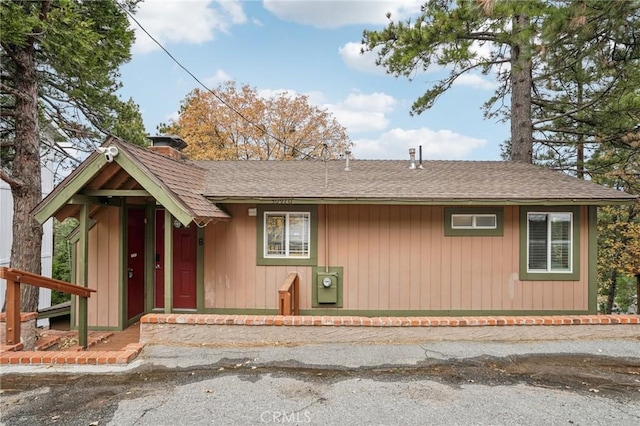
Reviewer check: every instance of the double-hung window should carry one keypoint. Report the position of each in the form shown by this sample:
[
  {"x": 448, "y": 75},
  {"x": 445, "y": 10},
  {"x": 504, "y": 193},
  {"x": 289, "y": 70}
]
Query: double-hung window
[
  {"x": 550, "y": 243},
  {"x": 287, "y": 234}
]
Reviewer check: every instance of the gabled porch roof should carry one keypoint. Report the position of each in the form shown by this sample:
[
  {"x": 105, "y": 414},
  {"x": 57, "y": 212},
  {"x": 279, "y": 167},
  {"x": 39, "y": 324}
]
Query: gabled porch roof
[{"x": 133, "y": 172}]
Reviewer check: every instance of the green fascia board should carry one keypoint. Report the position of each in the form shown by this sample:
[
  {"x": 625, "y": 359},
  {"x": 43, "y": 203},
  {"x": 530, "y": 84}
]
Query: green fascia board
[
  {"x": 497, "y": 232},
  {"x": 155, "y": 189},
  {"x": 429, "y": 313},
  {"x": 593, "y": 260},
  {"x": 574, "y": 275},
  {"x": 312, "y": 260},
  {"x": 417, "y": 201},
  {"x": 60, "y": 198}
]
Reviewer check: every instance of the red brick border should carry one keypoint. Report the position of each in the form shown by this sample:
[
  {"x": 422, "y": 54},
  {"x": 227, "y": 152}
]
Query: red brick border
[
  {"x": 123, "y": 357},
  {"x": 354, "y": 321}
]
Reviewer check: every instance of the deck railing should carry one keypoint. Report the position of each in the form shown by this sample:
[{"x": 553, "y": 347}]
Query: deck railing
[
  {"x": 14, "y": 278},
  {"x": 288, "y": 296}
]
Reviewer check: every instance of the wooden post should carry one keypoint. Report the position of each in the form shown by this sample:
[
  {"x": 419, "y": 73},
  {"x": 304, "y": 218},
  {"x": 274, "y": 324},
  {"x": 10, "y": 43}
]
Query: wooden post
[
  {"x": 168, "y": 262},
  {"x": 13, "y": 324},
  {"x": 83, "y": 275}
]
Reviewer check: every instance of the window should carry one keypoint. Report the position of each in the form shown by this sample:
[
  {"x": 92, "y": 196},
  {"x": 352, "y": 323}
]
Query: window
[
  {"x": 549, "y": 242},
  {"x": 287, "y": 234},
  {"x": 473, "y": 221}
]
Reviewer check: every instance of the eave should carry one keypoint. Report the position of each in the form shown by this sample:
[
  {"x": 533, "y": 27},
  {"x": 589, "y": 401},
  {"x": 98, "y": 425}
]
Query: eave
[{"x": 423, "y": 201}]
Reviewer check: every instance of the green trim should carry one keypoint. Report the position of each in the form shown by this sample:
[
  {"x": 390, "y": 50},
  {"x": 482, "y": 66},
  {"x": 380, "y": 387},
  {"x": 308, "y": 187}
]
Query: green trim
[
  {"x": 313, "y": 243},
  {"x": 74, "y": 279},
  {"x": 168, "y": 262},
  {"x": 80, "y": 199},
  {"x": 200, "y": 269},
  {"x": 497, "y": 232},
  {"x": 575, "y": 246},
  {"x": 61, "y": 197},
  {"x": 428, "y": 313},
  {"x": 74, "y": 236},
  {"x": 173, "y": 205},
  {"x": 233, "y": 311},
  {"x": 83, "y": 317},
  {"x": 339, "y": 271},
  {"x": 279, "y": 201},
  {"x": 150, "y": 259},
  {"x": 122, "y": 268},
  {"x": 593, "y": 260},
  {"x": 133, "y": 320},
  {"x": 116, "y": 193},
  {"x": 391, "y": 313}
]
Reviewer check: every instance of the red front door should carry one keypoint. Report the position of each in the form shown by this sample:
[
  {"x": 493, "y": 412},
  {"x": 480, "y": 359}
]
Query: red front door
[
  {"x": 184, "y": 265},
  {"x": 135, "y": 262}
]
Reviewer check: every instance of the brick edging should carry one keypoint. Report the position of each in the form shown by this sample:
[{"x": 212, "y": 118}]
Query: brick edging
[
  {"x": 123, "y": 357},
  {"x": 355, "y": 321}
]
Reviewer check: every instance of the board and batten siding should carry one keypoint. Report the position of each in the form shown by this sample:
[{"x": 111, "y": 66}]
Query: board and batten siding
[
  {"x": 394, "y": 258},
  {"x": 104, "y": 266}
]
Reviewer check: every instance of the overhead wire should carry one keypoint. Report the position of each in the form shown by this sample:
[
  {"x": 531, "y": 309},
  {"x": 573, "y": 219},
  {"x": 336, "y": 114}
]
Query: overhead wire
[{"x": 218, "y": 97}]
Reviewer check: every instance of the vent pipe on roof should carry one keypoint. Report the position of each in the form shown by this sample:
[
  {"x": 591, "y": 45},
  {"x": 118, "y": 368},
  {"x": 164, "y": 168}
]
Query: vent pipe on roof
[
  {"x": 412, "y": 158},
  {"x": 420, "y": 157},
  {"x": 347, "y": 154}
]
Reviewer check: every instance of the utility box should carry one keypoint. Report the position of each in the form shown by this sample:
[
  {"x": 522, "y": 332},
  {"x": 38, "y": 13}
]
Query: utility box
[{"x": 327, "y": 283}]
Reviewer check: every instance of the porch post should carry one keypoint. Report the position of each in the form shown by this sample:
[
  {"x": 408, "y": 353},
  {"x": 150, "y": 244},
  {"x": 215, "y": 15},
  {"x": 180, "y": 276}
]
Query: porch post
[
  {"x": 83, "y": 274},
  {"x": 168, "y": 262}
]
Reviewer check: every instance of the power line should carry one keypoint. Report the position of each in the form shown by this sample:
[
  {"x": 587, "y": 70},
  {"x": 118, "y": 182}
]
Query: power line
[{"x": 239, "y": 113}]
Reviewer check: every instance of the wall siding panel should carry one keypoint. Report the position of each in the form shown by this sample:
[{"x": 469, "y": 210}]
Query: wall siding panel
[
  {"x": 103, "y": 266},
  {"x": 394, "y": 258}
]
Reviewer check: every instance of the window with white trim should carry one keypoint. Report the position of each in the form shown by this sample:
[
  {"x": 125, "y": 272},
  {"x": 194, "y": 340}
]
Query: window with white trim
[
  {"x": 287, "y": 235},
  {"x": 549, "y": 242},
  {"x": 474, "y": 221}
]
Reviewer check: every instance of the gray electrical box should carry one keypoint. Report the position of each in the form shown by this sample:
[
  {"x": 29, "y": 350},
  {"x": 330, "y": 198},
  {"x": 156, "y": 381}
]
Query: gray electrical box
[{"x": 327, "y": 287}]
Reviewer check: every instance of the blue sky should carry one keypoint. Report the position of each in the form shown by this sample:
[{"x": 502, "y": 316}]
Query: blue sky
[{"x": 311, "y": 48}]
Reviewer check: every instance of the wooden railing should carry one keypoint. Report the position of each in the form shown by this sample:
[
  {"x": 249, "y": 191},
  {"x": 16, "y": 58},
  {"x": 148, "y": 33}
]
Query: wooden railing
[
  {"x": 288, "y": 295},
  {"x": 14, "y": 278}
]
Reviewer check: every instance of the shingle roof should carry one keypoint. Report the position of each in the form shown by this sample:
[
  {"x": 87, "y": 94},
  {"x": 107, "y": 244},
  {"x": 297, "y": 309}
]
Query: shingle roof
[
  {"x": 181, "y": 178},
  {"x": 439, "y": 181}
]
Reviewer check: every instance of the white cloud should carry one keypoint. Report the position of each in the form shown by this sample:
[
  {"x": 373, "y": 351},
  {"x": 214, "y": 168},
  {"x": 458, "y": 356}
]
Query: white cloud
[
  {"x": 194, "y": 21},
  {"x": 336, "y": 13},
  {"x": 477, "y": 81},
  {"x": 219, "y": 77},
  {"x": 436, "y": 145},
  {"x": 363, "y": 112},
  {"x": 353, "y": 58}
]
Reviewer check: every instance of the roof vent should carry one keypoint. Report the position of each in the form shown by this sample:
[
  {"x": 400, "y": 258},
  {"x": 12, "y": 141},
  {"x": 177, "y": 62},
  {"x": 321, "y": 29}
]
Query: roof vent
[
  {"x": 412, "y": 158},
  {"x": 347, "y": 154}
]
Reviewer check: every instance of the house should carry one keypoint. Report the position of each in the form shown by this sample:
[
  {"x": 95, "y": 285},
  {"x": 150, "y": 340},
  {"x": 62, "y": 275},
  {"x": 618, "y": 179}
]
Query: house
[
  {"x": 373, "y": 238},
  {"x": 6, "y": 230}
]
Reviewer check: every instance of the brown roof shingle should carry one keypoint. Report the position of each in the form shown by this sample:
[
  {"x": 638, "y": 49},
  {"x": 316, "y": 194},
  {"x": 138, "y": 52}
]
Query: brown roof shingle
[{"x": 438, "y": 181}]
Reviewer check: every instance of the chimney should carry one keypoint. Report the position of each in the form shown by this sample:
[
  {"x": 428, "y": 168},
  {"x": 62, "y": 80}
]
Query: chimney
[
  {"x": 348, "y": 156},
  {"x": 169, "y": 146},
  {"x": 412, "y": 158}
]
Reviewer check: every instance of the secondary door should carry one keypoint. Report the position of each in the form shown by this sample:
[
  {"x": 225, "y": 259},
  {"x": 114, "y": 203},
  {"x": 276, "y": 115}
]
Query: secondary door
[
  {"x": 184, "y": 265},
  {"x": 135, "y": 262}
]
